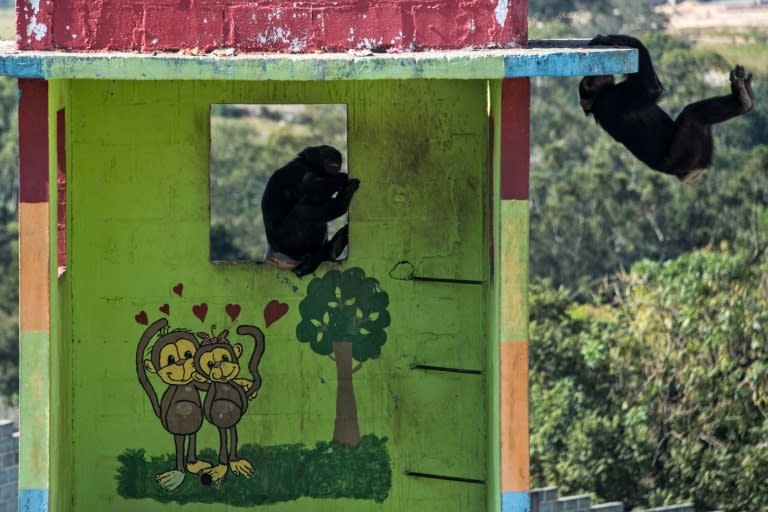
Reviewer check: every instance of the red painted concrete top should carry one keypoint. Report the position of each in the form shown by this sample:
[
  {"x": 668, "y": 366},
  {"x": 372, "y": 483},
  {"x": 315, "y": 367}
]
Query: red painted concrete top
[{"x": 269, "y": 25}]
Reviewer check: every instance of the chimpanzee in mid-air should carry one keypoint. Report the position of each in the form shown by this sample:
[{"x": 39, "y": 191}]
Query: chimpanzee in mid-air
[
  {"x": 298, "y": 202},
  {"x": 628, "y": 112}
]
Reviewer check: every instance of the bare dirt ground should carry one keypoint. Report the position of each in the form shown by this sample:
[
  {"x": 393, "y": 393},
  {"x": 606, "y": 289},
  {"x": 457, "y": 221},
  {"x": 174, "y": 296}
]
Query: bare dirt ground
[{"x": 691, "y": 15}]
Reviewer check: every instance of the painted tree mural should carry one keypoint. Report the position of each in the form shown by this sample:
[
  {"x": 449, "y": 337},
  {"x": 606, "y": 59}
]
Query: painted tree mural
[{"x": 344, "y": 317}]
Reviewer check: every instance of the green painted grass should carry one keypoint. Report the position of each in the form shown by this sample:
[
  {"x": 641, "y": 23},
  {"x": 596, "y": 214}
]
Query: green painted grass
[{"x": 281, "y": 473}]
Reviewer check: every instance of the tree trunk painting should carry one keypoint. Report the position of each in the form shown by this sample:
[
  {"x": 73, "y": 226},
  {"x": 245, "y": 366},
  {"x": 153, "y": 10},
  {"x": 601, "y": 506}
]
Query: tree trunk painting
[
  {"x": 344, "y": 317},
  {"x": 346, "y": 429}
]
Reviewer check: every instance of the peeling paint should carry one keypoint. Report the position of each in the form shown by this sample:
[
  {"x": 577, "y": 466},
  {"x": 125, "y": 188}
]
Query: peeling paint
[
  {"x": 369, "y": 44},
  {"x": 502, "y": 9},
  {"x": 274, "y": 35},
  {"x": 250, "y": 26},
  {"x": 35, "y": 29},
  {"x": 298, "y": 45}
]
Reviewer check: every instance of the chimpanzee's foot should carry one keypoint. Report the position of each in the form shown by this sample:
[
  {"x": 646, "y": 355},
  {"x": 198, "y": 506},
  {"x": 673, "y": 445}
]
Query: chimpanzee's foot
[
  {"x": 330, "y": 251},
  {"x": 308, "y": 265},
  {"x": 741, "y": 88},
  {"x": 338, "y": 243}
]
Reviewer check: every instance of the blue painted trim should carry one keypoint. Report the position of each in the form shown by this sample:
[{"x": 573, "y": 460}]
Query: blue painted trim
[
  {"x": 570, "y": 63},
  {"x": 24, "y": 66},
  {"x": 515, "y": 502},
  {"x": 455, "y": 64},
  {"x": 33, "y": 500}
]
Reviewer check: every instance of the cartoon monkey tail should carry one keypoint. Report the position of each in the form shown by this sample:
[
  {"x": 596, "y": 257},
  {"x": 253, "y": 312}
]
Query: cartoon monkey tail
[
  {"x": 140, "y": 370},
  {"x": 258, "y": 352}
]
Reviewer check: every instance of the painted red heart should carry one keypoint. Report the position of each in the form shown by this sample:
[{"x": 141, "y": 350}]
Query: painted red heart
[
  {"x": 233, "y": 310},
  {"x": 142, "y": 318},
  {"x": 274, "y": 311},
  {"x": 178, "y": 289},
  {"x": 200, "y": 310},
  {"x": 165, "y": 308}
]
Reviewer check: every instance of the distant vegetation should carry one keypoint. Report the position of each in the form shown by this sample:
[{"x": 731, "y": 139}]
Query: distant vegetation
[
  {"x": 9, "y": 247},
  {"x": 648, "y": 298},
  {"x": 7, "y": 20}
]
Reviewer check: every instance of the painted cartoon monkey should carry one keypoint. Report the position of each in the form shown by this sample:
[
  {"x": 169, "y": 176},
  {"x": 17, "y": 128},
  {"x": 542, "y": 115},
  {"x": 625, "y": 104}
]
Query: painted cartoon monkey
[
  {"x": 227, "y": 398},
  {"x": 180, "y": 409}
]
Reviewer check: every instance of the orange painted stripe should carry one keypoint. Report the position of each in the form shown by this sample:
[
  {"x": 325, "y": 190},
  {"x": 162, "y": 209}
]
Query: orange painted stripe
[
  {"x": 514, "y": 417},
  {"x": 34, "y": 306}
]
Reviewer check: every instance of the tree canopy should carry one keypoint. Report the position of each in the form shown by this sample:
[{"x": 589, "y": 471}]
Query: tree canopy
[{"x": 656, "y": 391}]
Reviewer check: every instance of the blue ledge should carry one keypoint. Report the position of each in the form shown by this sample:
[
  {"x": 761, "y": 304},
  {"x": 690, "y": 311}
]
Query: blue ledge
[
  {"x": 542, "y": 58},
  {"x": 515, "y": 502},
  {"x": 33, "y": 500}
]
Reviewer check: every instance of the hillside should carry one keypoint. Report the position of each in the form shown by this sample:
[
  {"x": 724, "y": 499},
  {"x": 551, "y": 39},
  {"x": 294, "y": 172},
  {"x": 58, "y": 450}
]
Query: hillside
[{"x": 696, "y": 16}]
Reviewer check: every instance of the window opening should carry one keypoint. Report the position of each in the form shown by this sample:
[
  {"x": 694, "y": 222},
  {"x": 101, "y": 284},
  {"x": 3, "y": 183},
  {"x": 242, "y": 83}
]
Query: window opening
[{"x": 248, "y": 143}]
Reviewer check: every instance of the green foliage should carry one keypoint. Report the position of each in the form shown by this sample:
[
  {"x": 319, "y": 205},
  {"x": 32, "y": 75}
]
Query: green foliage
[
  {"x": 661, "y": 395},
  {"x": 345, "y": 307},
  {"x": 9, "y": 248},
  {"x": 586, "y": 18},
  {"x": 281, "y": 473}
]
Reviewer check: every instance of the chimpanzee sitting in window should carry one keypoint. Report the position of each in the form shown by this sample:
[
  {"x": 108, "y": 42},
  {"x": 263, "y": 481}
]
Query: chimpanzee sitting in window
[{"x": 298, "y": 202}]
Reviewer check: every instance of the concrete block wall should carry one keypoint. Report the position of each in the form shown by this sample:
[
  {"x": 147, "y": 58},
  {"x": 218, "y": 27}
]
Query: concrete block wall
[
  {"x": 9, "y": 462},
  {"x": 685, "y": 507},
  {"x": 269, "y": 25},
  {"x": 614, "y": 506},
  {"x": 573, "y": 504},
  {"x": 545, "y": 499}
]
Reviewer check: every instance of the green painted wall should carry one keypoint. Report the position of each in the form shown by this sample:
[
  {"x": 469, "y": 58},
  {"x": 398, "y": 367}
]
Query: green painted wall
[{"x": 138, "y": 226}]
